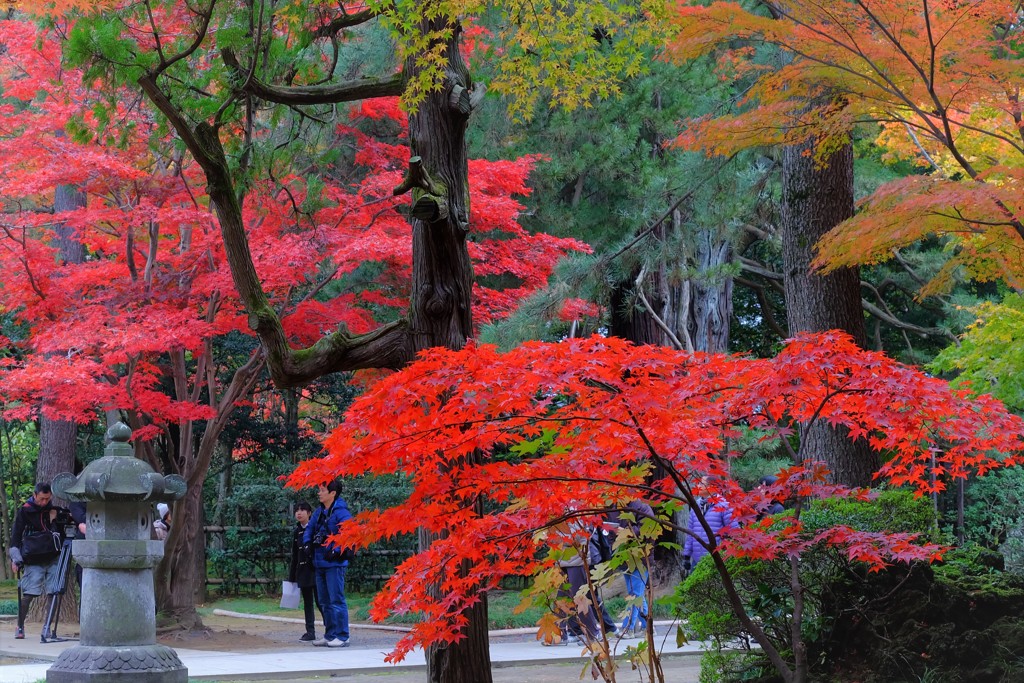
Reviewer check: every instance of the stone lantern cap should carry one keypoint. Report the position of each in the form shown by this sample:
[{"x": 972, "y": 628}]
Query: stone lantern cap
[{"x": 119, "y": 476}]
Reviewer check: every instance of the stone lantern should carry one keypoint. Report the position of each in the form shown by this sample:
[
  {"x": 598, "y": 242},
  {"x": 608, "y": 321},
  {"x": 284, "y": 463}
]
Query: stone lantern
[{"x": 118, "y": 607}]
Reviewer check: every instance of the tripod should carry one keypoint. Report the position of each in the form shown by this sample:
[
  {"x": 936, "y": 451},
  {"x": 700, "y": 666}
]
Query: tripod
[{"x": 60, "y": 585}]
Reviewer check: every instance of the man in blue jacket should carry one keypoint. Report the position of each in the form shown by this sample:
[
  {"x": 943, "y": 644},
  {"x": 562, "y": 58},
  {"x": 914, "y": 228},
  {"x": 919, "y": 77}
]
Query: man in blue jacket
[{"x": 329, "y": 563}]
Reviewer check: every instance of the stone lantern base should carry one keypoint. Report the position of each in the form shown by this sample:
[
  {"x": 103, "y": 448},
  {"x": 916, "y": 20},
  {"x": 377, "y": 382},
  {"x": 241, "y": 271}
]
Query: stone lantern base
[{"x": 106, "y": 664}]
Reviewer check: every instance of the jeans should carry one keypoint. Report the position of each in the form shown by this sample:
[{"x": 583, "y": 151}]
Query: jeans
[
  {"x": 636, "y": 587},
  {"x": 330, "y": 589}
]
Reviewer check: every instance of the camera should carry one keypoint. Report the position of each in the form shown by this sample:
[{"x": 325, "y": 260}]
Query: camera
[
  {"x": 65, "y": 521},
  {"x": 320, "y": 538}
]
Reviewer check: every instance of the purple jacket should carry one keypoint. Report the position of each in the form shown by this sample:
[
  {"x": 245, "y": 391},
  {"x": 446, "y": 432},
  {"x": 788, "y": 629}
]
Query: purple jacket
[{"x": 719, "y": 516}]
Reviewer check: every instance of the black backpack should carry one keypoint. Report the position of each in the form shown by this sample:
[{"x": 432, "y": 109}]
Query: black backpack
[
  {"x": 39, "y": 547},
  {"x": 603, "y": 542}
]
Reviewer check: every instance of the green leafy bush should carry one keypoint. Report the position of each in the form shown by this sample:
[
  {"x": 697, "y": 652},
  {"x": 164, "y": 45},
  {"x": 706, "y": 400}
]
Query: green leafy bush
[
  {"x": 994, "y": 514},
  {"x": 831, "y": 585},
  {"x": 894, "y": 511}
]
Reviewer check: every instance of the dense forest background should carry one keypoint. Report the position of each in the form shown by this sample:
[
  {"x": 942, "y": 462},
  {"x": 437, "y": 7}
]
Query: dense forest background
[{"x": 220, "y": 225}]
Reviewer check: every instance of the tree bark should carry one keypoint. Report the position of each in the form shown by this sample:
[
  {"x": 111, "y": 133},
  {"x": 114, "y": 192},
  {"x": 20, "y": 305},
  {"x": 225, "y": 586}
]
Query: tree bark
[
  {"x": 57, "y": 441},
  {"x": 58, "y": 438},
  {"x": 177, "y": 576},
  {"x": 441, "y": 308},
  {"x": 692, "y": 314},
  {"x": 181, "y": 576},
  {"x": 815, "y": 198},
  {"x": 695, "y": 315}
]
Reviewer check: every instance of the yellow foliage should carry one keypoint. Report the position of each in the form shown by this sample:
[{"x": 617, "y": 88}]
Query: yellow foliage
[{"x": 56, "y": 7}]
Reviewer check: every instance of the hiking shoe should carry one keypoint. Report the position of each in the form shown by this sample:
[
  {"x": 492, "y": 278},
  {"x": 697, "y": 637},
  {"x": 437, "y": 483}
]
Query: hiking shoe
[
  {"x": 337, "y": 642},
  {"x": 320, "y": 642},
  {"x": 307, "y": 636},
  {"x": 19, "y": 633}
]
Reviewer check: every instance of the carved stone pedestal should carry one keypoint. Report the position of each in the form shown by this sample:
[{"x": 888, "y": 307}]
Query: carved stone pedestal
[{"x": 118, "y": 641}]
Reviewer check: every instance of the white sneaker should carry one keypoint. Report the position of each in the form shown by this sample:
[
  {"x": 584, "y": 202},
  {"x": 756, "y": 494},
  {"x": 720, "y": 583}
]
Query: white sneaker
[
  {"x": 337, "y": 642},
  {"x": 320, "y": 642}
]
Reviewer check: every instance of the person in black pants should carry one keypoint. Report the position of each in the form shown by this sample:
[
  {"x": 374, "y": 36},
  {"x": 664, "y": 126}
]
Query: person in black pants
[
  {"x": 300, "y": 570},
  {"x": 78, "y": 514}
]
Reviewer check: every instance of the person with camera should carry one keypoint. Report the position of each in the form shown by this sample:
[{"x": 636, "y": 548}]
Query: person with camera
[
  {"x": 35, "y": 545},
  {"x": 329, "y": 563}
]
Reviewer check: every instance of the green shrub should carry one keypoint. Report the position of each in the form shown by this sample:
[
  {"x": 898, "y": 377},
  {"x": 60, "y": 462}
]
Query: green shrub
[
  {"x": 895, "y": 511},
  {"x": 829, "y": 580},
  {"x": 994, "y": 514}
]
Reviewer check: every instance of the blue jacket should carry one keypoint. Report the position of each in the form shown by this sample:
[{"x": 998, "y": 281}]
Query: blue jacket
[
  {"x": 327, "y": 521},
  {"x": 718, "y": 516}
]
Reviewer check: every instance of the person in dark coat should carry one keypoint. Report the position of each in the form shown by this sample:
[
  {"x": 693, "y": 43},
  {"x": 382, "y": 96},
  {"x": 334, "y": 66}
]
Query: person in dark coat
[
  {"x": 579, "y": 625},
  {"x": 330, "y": 563},
  {"x": 301, "y": 572},
  {"x": 34, "y": 548},
  {"x": 775, "y": 507}
]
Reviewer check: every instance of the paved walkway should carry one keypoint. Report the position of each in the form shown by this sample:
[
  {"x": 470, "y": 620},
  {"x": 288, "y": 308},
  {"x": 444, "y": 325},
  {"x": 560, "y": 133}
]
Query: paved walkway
[{"x": 298, "y": 661}]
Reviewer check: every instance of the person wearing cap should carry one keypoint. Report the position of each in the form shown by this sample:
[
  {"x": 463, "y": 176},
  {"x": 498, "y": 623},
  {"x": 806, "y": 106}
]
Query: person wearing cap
[{"x": 162, "y": 525}]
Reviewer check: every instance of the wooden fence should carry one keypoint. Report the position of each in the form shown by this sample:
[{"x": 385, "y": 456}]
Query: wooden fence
[{"x": 237, "y": 560}]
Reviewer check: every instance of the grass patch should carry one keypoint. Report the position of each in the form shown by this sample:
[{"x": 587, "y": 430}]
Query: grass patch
[
  {"x": 501, "y": 609},
  {"x": 9, "y": 589},
  {"x": 501, "y": 606}
]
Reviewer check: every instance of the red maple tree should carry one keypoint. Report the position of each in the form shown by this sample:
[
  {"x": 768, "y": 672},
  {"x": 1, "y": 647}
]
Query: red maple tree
[
  {"x": 145, "y": 310},
  {"x": 573, "y": 429}
]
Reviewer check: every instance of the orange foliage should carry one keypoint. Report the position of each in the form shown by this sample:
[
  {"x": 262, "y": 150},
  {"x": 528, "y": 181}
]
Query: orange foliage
[{"x": 943, "y": 80}]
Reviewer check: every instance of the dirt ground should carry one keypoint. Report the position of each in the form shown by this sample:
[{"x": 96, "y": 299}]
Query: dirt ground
[
  {"x": 676, "y": 670},
  {"x": 243, "y": 634},
  {"x": 238, "y": 635}
]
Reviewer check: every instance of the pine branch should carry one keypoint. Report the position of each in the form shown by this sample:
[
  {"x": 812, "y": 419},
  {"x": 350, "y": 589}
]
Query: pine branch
[{"x": 349, "y": 91}]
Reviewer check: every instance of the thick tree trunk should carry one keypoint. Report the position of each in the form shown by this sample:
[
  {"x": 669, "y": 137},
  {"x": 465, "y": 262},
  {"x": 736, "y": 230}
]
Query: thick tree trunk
[
  {"x": 441, "y": 306},
  {"x": 815, "y": 198},
  {"x": 57, "y": 441},
  {"x": 57, "y": 438},
  {"x": 181, "y": 577},
  {"x": 67, "y": 198},
  {"x": 178, "y": 576},
  {"x": 694, "y": 314},
  {"x": 691, "y": 314},
  {"x": 710, "y": 297}
]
